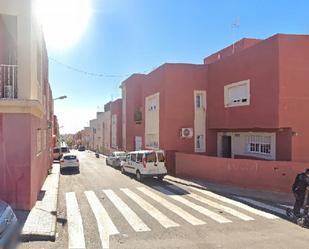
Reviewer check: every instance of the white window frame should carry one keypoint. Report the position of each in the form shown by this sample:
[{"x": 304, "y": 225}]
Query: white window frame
[
  {"x": 152, "y": 105},
  {"x": 255, "y": 143},
  {"x": 227, "y": 103}
]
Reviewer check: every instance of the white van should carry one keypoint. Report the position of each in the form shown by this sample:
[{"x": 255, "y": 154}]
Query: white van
[{"x": 145, "y": 163}]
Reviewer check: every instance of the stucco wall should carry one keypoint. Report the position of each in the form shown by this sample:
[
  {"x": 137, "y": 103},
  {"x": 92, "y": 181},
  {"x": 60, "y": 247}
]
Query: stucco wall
[
  {"x": 259, "y": 64},
  {"x": 23, "y": 171},
  {"x": 256, "y": 174},
  {"x": 116, "y": 109},
  {"x": 133, "y": 101},
  {"x": 294, "y": 92}
]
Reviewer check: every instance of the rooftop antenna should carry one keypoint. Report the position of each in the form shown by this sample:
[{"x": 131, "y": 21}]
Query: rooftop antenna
[{"x": 235, "y": 25}]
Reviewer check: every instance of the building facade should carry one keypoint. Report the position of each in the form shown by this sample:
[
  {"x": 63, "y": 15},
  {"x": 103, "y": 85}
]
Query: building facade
[
  {"x": 170, "y": 111},
  {"x": 26, "y": 105},
  {"x": 258, "y": 103}
]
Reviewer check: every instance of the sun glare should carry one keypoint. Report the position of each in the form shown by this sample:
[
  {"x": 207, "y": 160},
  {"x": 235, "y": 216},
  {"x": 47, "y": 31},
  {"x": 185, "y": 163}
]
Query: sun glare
[{"x": 64, "y": 21}]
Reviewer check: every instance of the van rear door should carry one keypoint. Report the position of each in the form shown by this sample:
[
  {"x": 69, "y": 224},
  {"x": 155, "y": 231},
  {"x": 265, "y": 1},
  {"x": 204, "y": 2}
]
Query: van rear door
[
  {"x": 150, "y": 161},
  {"x": 161, "y": 162}
]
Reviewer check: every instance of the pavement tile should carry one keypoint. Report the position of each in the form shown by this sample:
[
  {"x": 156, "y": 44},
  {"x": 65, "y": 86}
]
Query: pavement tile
[{"x": 41, "y": 221}]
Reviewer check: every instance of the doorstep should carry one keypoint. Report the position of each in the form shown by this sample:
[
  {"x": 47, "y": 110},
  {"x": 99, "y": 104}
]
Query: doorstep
[{"x": 41, "y": 221}]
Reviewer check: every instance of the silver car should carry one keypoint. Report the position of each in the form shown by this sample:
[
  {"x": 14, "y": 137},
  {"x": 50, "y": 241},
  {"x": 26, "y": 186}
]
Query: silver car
[
  {"x": 116, "y": 158},
  {"x": 8, "y": 227}
]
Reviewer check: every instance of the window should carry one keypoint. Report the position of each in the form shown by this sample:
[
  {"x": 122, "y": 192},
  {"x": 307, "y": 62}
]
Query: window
[
  {"x": 70, "y": 157},
  {"x": 151, "y": 157},
  {"x": 133, "y": 157},
  {"x": 152, "y": 103},
  {"x": 152, "y": 141},
  {"x": 259, "y": 144},
  {"x": 199, "y": 141},
  {"x": 237, "y": 94},
  {"x": 199, "y": 101},
  {"x": 139, "y": 158},
  {"x": 161, "y": 157}
]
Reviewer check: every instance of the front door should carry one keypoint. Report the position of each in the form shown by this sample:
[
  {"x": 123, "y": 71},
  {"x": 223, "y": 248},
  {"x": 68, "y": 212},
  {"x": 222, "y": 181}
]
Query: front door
[{"x": 227, "y": 146}]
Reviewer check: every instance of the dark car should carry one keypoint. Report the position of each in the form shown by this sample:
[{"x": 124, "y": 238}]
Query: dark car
[
  {"x": 8, "y": 227},
  {"x": 81, "y": 148}
]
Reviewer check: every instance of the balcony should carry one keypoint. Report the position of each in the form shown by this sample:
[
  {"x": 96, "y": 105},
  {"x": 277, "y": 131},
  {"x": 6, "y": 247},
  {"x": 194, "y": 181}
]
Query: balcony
[{"x": 8, "y": 81}]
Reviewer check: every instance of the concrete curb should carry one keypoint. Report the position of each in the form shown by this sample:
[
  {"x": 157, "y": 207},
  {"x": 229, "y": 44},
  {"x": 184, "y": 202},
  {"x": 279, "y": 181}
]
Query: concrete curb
[{"x": 41, "y": 221}]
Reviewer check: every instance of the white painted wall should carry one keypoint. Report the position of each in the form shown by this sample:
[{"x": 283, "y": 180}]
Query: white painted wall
[
  {"x": 152, "y": 117},
  {"x": 124, "y": 99},
  {"x": 114, "y": 131},
  {"x": 29, "y": 37},
  {"x": 107, "y": 130},
  {"x": 240, "y": 146},
  {"x": 200, "y": 121}
]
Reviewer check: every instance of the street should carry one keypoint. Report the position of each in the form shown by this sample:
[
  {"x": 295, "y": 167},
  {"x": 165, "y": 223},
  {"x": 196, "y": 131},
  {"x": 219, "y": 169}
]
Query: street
[{"x": 101, "y": 208}]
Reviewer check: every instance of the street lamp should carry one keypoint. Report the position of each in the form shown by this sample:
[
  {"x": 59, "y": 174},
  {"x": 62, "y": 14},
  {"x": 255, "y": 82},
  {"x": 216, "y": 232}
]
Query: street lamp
[{"x": 61, "y": 97}]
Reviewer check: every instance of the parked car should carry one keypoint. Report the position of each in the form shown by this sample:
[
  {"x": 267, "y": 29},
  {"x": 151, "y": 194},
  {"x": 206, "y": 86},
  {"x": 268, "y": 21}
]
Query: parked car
[
  {"x": 65, "y": 150},
  {"x": 57, "y": 154},
  {"x": 116, "y": 158},
  {"x": 69, "y": 161},
  {"x": 8, "y": 227},
  {"x": 145, "y": 163},
  {"x": 81, "y": 148}
]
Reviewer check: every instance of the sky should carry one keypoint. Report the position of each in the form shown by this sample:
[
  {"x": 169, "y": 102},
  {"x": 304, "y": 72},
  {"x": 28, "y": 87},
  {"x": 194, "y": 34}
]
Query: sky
[{"x": 122, "y": 37}]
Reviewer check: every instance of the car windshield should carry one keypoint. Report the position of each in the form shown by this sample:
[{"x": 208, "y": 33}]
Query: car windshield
[
  {"x": 121, "y": 154},
  {"x": 69, "y": 157},
  {"x": 57, "y": 150}
]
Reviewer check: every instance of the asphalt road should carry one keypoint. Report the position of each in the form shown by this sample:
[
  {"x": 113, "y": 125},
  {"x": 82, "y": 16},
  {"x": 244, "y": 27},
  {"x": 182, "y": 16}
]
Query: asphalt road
[{"x": 156, "y": 214}]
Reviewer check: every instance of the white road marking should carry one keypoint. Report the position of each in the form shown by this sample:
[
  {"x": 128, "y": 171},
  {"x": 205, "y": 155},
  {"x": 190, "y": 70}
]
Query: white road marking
[
  {"x": 151, "y": 210},
  {"x": 172, "y": 207},
  {"x": 136, "y": 223},
  {"x": 236, "y": 203},
  {"x": 212, "y": 215},
  {"x": 286, "y": 206},
  {"x": 208, "y": 202},
  {"x": 106, "y": 226},
  {"x": 75, "y": 223},
  {"x": 262, "y": 205}
]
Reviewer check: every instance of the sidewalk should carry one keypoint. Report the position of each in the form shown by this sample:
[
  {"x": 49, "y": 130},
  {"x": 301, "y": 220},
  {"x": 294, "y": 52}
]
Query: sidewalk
[
  {"x": 41, "y": 221},
  {"x": 275, "y": 197}
]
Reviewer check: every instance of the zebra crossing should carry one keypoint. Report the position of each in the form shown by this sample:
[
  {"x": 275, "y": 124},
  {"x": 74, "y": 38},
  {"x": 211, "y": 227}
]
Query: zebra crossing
[{"x": 158, "y": 203}]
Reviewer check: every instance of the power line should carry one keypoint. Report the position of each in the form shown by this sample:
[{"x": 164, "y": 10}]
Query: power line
[{"x": 89, "y": 73}]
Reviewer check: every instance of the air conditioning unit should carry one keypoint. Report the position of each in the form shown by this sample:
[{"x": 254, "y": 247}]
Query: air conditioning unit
[{"x": 187, "y": 132}]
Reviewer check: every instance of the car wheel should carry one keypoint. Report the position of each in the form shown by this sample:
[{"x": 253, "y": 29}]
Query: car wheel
[
  {"x": 160, "y": 178},
  {"x": 139, "y": 176},
  {"x": 122, "y": 170}
]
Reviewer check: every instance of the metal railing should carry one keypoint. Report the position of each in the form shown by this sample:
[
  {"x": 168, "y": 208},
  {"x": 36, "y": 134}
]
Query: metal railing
[{"x": 8, "y": 81}]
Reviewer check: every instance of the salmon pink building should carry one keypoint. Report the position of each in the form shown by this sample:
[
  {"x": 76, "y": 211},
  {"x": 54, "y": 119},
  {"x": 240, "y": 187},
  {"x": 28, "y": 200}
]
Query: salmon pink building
[
  {"x": 258, "y": 105},
  {"x": 166, "y": 109},
  {"x": 116, "y": 125},
  {"x": 26, "y": 105}
]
